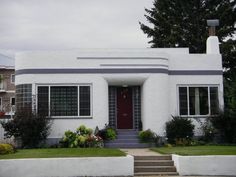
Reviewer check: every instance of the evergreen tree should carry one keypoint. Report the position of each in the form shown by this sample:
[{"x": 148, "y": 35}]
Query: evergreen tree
[{"x": 182, "y": 23}]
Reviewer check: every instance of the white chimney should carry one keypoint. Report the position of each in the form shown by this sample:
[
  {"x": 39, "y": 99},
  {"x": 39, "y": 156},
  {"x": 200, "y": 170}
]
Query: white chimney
[{"x": 212, "y": 41}]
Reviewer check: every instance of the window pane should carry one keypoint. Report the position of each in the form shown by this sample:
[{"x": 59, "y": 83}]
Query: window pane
[
  {"x": 43, "y": 100},
  {"x": 84, "y": 102},
  {"x": 214, "y": 100},
  {"x": 12, "y": 101},
  {"x": 192, "y": 101},
  {"x": 13, "y": 78},
  {"x": 183, "y": 101},
  {"x": 24, "y": 96},
  {"x": 198, "y": 100},
  {"x": 203, "y": 98},
  {"x": 64, "y": 101}
]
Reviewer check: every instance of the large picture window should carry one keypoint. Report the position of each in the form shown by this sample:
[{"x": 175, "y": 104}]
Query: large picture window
[
  {"x": 198, "y": 100},
  {"x": 66, "y": 101}
]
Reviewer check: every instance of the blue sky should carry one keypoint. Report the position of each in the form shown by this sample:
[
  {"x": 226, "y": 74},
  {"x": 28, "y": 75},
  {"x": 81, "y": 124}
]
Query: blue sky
[{"x": 71, "y": 24}]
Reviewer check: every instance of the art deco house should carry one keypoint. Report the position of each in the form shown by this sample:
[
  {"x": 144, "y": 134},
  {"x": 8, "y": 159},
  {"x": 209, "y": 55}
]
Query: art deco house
[{"x": 126, "y": 88}]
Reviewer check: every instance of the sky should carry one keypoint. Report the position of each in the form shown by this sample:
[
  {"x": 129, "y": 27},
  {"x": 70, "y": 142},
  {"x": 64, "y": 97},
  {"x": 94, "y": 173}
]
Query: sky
[{"x": 71, "y": 24}]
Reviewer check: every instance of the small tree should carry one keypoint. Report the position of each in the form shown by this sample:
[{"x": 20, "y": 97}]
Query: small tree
[
  {"x": 179, "y": 128},
  {"x": 225, "y": 124},
  {"x": 31, "y": 128}
]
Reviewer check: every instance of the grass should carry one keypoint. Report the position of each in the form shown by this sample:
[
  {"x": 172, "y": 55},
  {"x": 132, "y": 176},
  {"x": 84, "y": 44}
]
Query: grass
[
  {"x": 197, "y": 150},
  {"x": 63, "y": 152}
]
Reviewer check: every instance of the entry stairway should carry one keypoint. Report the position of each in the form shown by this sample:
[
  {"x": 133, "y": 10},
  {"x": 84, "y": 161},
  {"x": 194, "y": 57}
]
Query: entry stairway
[
  {"x": 126, "y": 139},
  {"x": 154, "y": 165}
]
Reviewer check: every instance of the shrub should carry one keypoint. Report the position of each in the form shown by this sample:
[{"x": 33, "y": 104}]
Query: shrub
[
  {"x": 68, "y": 139},
  {"x": 27, "y": 126},
  {"x": 82, "y": 137},
  {"x": 208, "y": 130},
  {"x": 225, "y": 124},
  {"x": 6, "y": 149},
  {"x": 147, "y": 136},
  {"x": 168, "y": 145},
  {"x": 178, "y": 128},
  {"x": 107, "y": 133},
  {"x": 110, "y": 134},
  {"x": 83, "y": 130}
]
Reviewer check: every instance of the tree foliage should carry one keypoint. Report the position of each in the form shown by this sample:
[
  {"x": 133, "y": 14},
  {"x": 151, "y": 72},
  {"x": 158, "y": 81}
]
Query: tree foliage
[
  {"x": 179, "y": 128},
  {"x": 30, "y": 128},
  {"x": 182, "y": 23}
]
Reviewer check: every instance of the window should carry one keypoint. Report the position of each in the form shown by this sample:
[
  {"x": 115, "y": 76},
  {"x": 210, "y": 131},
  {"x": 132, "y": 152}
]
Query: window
[
  {"x": 13, "y": 78},
  {"x": 63, "y": 101},
  {"x": 12, "y": 101},
  {"x": 24, "y": 96},
  {"x": 67, "y": 101},
  {"x": 1, "y": 82},
  {"x": 198, "y": 100},
  {"x": 0, "y": 103}
]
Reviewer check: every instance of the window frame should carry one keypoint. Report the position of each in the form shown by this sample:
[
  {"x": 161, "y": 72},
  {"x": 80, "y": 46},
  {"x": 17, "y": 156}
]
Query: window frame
[
  {"x": 188, "y": 102},
  {"x": 1, "y": 104},
  {"x": 1, "y": 82},
  {"x": 14, "y": 78},
  {"x": 66, "y": 85},
  {"x": 11, "y": 101}
]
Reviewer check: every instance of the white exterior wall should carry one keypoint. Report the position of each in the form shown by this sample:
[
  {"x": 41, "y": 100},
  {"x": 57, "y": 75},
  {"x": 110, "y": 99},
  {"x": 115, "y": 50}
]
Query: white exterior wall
[
  {"x": 99, "y": 99},
  {"x": 205, "y": 165},
  {"x": 159, "y": 95},
  {"x": 61, "y": 167},
  {"x": 155, "y": 103}
]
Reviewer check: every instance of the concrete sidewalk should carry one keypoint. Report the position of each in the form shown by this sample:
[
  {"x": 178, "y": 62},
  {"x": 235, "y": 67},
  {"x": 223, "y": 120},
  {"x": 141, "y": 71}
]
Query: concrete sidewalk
[{"x": 141, "y": 152}]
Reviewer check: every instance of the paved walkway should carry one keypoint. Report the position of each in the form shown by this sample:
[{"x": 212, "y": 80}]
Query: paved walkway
[{"x": 140, "y": 152}]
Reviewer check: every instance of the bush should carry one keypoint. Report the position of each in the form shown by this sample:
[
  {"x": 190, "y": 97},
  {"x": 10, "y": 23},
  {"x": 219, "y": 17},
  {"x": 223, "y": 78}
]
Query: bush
[
  {"x": 147, "y": 136},
  {"x": 82, "y": 137},
  {"x": 110, "y": 134},
  {"x": 208, "y": 130},
  {"x": 107, "y": 133},
  {"x": 225, "y": 124},
  {"x": 6, "y": 149},
  {"x": 179, "y": 128},
  {"x": 27, "y": 126}
]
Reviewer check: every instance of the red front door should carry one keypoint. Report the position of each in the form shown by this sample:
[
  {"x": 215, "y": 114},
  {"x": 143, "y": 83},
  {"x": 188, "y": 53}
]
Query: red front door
[{"x": 124, "y": 108}]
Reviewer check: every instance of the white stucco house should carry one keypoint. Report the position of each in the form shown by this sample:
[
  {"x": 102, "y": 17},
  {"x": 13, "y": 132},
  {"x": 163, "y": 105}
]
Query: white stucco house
[{"x": 126, "y": 88}]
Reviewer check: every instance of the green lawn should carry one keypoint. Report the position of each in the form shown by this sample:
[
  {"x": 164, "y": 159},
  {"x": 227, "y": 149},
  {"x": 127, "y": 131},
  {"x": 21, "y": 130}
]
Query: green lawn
[
  {"x": 63, "y": 152},
  {"x": 197, "y": 150}
]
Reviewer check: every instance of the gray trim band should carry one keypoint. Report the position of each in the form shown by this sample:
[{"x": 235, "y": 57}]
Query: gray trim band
[
  {"x": 160, "y": 58},
  {"x": 118, "y": 71},
  {"x": 195, "y": 72},
  {"x": 135, "y": 65}
]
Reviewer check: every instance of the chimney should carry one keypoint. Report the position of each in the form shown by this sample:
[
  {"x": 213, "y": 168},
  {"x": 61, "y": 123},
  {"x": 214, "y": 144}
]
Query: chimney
[{"x": 212, "y": 40}]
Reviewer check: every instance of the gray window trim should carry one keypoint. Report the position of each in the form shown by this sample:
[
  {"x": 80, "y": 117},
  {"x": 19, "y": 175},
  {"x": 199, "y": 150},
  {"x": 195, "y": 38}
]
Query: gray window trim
[
  {"x": 188, "y": 86},
  {"x": 72, "y": 85}
]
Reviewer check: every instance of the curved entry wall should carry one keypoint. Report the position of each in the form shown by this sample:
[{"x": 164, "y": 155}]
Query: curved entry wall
[{"x": 125, "y": 107}]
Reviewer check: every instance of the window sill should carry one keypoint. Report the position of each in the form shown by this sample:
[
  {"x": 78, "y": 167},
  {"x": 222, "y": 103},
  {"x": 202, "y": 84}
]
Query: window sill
[
  {"x": 197, "y": 116},
  {"x": 71, "y": 117}
]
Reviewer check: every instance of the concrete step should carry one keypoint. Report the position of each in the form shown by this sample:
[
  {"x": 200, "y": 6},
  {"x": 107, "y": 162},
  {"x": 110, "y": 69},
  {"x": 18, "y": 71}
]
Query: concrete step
[
  {"x": 153, "y": 163},
  {"x": 127, "y": 136},
  {"x": 127, "y": 132},
  {"x": 124, "y": 141},
  {"x": 156, "y": 174},
  {"x": 154, "y": 169},
  {"x": 126, "y": 145},
  {"x": 159, "y": 157}
]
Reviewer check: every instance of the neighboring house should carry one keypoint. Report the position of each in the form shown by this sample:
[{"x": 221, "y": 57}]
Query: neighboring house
[
  {"x": 7, "y": 87},
  {"x": 125, "y": 88},
  {"x": 7, "y": 92}
]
